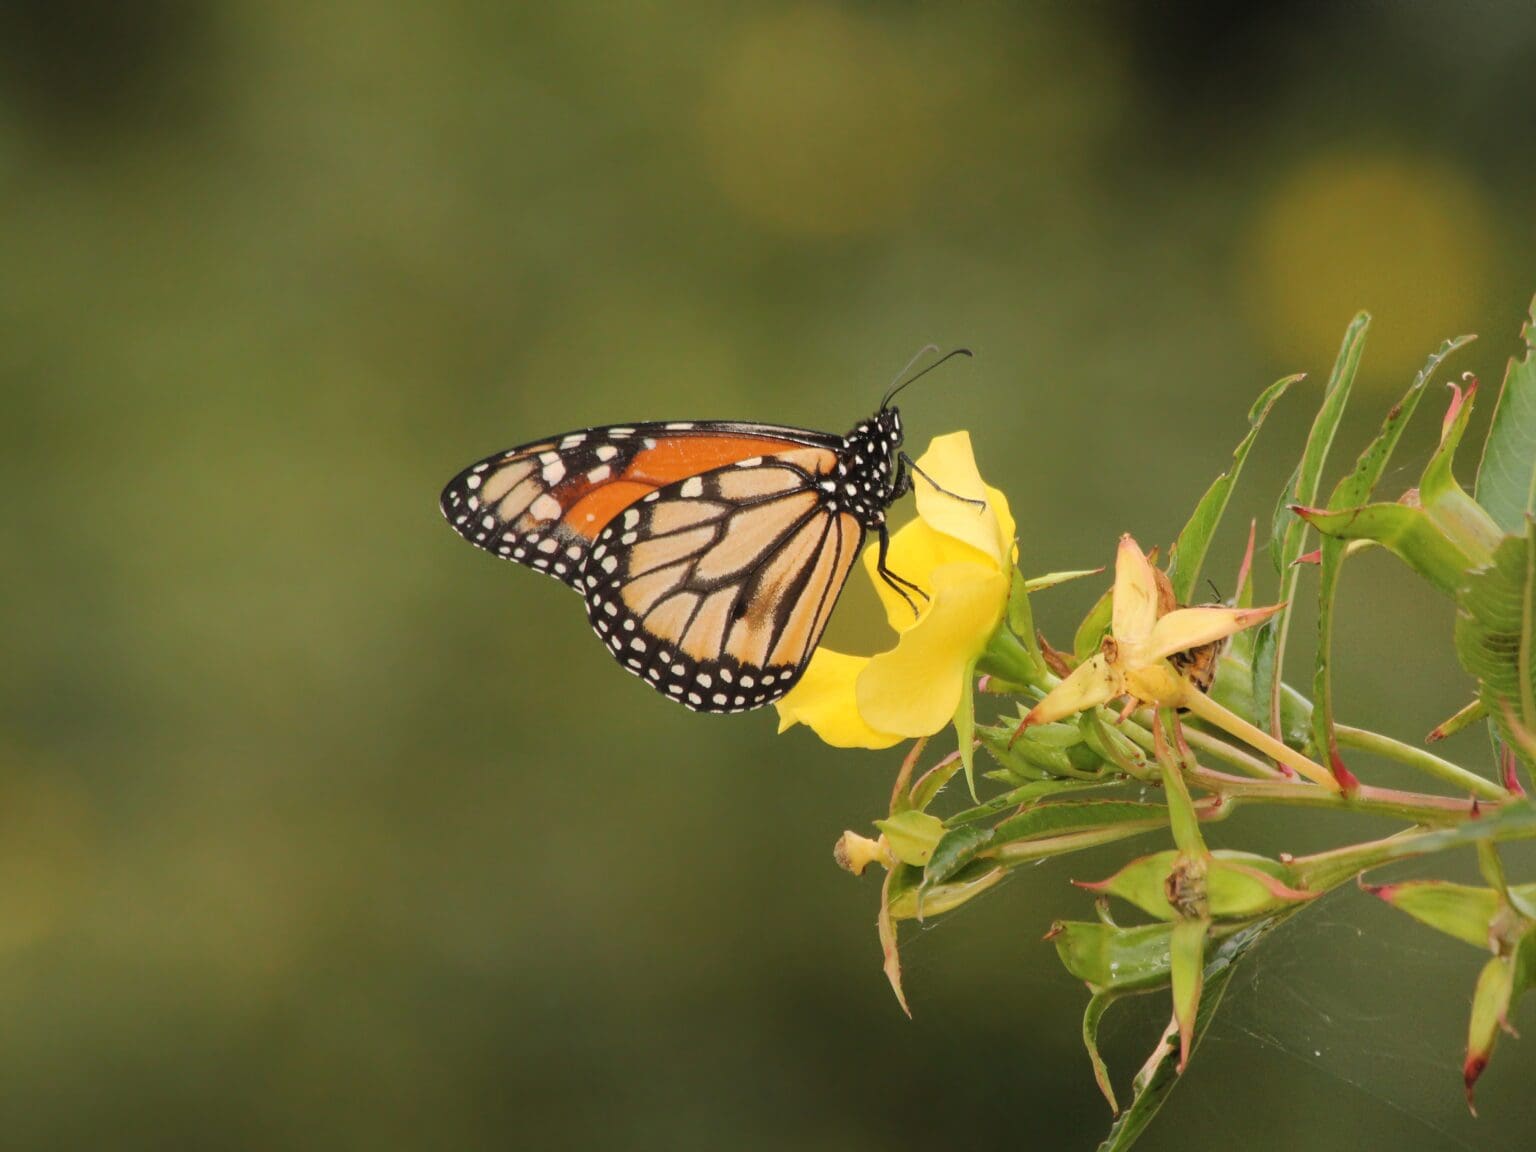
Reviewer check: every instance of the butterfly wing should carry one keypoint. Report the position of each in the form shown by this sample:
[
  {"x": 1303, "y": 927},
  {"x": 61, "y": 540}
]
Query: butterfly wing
[
  {"x": 544, "y": 504},
  {"x": 716, "y": 588}
]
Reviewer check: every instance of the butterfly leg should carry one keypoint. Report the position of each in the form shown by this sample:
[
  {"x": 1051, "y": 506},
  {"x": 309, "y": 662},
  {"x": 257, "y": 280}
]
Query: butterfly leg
[
  {"x": 899, "y": 583},
  {"x": 907, "y": 462}
]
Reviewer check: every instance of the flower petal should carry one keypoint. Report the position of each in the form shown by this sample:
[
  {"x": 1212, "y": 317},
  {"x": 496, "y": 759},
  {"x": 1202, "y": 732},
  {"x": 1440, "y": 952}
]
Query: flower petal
[
  {"x": 950, "y": 463},
  {"x": 1135, "y": 598},
  {"x": 1092, "y": 682},
  {"x": 1191, "y": 627},
  {"x": 916, "y": 550},
  {"x": 824, "y": 701},
  {"x": 915, "y": 688}
]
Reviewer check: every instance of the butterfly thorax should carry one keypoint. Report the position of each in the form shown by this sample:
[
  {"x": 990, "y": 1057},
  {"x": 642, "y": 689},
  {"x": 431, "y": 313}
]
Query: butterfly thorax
[{"x": 868, "y": 477}]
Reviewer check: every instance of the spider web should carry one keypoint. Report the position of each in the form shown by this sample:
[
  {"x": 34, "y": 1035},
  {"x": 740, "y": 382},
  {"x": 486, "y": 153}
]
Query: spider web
[{"x": 1377, "y": 1005}]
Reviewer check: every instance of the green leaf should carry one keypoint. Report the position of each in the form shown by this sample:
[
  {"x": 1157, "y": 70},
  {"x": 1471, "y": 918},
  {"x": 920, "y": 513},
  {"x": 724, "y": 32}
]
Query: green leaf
[
  {"x": 1288, "y": 541},
  {"x": 1496, "y": 633},
  {"x": 1017, "y": 797},
  {"x": 1353, "y": 490},
  {"x": 1189, "y": 551},
  {"x": 1506, "y": 478},
  {"x": 1044, "y": 821},
  {"x": 1090, "y": 633},
  {"x": 955, "y": 849},
  {"x": 1158, "y": 1078}
]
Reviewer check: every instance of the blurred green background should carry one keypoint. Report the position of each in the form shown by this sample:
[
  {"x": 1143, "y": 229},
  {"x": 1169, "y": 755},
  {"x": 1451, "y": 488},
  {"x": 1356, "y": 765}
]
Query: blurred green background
[{"x": 318, "y": 828}]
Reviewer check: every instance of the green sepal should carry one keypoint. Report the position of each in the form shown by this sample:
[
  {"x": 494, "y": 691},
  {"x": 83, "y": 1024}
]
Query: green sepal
[
  {"x": 1460, "y": 910},
  {"x": 912, "y": 835},
  {"x": 922, "y": 901},
  {"x": 1158, "y": 1076},
  {"x": 1186, "y": 949},
  {"x": 1238, "y": 885},
  {"x": 1098, "y": 1004},
  {"x": 1410, "y": 533},
  {"x": 965, "y": 728},
  {"x": 1106, "y": 957}
]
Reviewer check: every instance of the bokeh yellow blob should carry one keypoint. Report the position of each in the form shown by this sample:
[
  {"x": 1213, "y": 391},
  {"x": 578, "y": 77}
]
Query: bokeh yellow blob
[
  {"x": 1407, "y": 239},
  {"x": 821, "y": 122}
]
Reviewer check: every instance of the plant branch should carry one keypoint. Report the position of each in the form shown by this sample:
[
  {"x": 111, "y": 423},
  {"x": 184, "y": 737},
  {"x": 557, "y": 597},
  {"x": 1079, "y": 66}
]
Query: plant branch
[{"x": 1425, "y": 761}]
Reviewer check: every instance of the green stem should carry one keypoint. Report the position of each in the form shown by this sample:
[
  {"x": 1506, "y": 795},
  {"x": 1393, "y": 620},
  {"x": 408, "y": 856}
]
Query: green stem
[{"x": 1424, "y": 761}]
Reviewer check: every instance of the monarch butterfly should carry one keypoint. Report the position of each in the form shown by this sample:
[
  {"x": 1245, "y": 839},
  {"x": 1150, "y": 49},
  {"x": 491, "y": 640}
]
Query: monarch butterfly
[{"x": 709, "y": 553}]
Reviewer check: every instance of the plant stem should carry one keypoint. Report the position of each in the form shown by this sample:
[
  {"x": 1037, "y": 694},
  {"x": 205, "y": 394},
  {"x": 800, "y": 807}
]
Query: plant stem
[
  {"x": 1205, "y": 742},
  {"x": 1213, "y": 713},
  {"x": 1415, "y": 806},
  {"x": 1424, "y": 761}
]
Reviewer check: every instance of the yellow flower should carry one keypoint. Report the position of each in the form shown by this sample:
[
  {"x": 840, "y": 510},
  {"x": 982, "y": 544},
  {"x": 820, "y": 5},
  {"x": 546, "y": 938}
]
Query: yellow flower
[
  {"x": 962, "y": 557},
  {"x": 1133, "y": 660}
]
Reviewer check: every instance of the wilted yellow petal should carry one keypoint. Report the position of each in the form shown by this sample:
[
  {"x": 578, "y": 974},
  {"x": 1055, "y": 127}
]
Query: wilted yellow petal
[
  {"x": 1094, "y": 681},
  {"x": 915, "y": 688},
  {"x": 1191, "y": 627},
  {"x": 951, "y": 464},
  {"x": 824, "y": 701},
  {"x": 1157, "y": 683},
  {"x": 1135, "y": 596}
]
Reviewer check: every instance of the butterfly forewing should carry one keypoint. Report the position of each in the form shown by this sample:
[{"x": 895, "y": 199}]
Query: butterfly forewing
[
  {"x": 543, "y": 504},
  {"x": 716, "y": 588}
]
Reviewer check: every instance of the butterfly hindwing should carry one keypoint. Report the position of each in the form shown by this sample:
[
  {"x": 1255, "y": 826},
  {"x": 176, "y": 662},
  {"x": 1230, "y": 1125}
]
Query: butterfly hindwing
[
  {"x": 543, "y": 504},
  {"x": 716, "y": 588}
]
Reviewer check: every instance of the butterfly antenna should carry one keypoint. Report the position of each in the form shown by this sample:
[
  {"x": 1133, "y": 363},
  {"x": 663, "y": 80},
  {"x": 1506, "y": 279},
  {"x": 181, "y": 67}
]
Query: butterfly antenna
[{"x": 924, "y": 351}]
